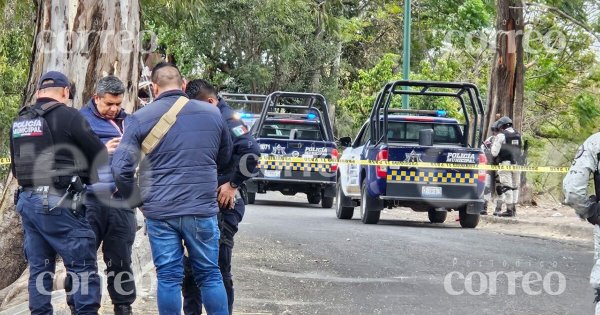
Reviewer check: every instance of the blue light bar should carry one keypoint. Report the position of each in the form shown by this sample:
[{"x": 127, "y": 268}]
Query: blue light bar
[
  {"x": 442, "y": 113},
  {"x": 311, "y": 116}
]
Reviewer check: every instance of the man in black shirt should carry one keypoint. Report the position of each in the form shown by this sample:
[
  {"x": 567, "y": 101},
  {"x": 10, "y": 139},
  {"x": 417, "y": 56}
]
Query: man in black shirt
[{"x": 52, "y": 145}]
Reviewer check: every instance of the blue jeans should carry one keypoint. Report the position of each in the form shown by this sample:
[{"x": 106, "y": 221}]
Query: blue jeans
[
  {"x": 48, "y": 233},
  {"x": 201, "y": 238}
]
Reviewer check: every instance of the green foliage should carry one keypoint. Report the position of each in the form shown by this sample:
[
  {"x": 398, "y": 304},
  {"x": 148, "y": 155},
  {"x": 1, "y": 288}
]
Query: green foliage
[{"x": 16, "y": 34}]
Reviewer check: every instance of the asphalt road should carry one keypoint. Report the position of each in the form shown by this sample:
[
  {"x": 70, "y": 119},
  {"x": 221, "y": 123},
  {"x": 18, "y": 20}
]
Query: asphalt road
[{"x": 294, "y": 258}]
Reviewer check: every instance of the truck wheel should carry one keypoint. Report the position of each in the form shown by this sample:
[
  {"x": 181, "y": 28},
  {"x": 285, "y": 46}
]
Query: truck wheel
[
  {"x": 468, "y": 221},
  {"x": 436, "y": 216},
  {"x": 326, "y": 202},
  {"x": 341, "y": 211},
  {"x": 251, "y": 198},
  {"x": 370, "y": 208},
  {"x": 313, "y": 199}
]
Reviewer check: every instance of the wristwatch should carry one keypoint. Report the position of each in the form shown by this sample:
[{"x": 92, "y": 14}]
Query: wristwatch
[{"x": 233, "y": 185}]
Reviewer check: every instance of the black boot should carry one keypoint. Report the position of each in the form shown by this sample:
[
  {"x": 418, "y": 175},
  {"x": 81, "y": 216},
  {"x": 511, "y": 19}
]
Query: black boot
[
  {"x": 498, "y": 208},
  {"x": 123, "y": 309},
  {"x": 511, "y": 211},
  {"x": 484, "y": 210}
]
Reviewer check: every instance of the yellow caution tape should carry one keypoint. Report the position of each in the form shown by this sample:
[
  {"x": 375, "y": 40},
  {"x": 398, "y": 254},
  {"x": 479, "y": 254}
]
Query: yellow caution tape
[{"x": 395, "y": 164}]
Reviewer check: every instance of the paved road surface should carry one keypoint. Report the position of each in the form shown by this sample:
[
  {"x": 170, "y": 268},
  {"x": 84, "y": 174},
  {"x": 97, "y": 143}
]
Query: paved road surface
[{"x": 295, "y": 258}]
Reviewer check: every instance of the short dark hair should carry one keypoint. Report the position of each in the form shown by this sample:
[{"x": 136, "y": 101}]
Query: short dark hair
[
  {"x": 200, "y": 90},
  {"x": 166, "y": 73},
  {"x": 111, "y": 85}
]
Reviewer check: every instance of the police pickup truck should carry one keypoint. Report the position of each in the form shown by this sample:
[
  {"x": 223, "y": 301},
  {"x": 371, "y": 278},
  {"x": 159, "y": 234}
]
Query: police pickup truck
[
  {"x": 369, "y": 178},
  {"x": 292, "y": 127}
]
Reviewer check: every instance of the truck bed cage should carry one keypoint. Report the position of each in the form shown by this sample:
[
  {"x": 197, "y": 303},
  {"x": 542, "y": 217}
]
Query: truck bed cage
[
  {"x": 466, "y": 93},
  {"x": 296, "y": 104}
]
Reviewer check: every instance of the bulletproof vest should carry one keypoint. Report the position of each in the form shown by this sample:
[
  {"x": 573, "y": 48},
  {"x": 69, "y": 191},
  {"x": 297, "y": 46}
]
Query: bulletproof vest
[
  {"x": 511, "y": 149},
  {"x": 35, "y": 159}
]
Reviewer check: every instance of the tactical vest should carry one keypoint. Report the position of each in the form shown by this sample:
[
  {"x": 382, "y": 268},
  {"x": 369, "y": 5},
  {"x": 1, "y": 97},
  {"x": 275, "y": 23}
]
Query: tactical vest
[
  {"x": 511, "y": 149},
  {"x": 35, "y": 159}
]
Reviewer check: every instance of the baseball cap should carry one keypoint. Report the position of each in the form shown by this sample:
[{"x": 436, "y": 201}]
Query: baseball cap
[{"x": 57, "y": 80}]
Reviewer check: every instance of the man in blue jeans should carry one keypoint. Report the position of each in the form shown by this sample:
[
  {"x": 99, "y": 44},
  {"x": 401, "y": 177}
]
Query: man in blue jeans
[{"x": 176, "y": 187}]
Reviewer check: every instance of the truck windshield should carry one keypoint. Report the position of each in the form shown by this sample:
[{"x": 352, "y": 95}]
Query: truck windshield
[
  {"x": 409, "y": 132},
  {"x": 299, "y": 131}
]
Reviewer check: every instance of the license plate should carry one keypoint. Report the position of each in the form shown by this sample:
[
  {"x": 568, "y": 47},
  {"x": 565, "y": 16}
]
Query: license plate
[
  {"x": 272, "y": 173},
  {"x": 429, "y": 191}
]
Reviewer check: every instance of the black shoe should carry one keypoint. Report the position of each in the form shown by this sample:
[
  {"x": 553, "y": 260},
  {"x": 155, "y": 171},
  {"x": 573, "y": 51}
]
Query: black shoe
[
  {"x": 498, "y": 210},
  {"x": 483, "y": 212},
  {"x": 511, "y": 211},
  {"x": 123, "y": 309}
]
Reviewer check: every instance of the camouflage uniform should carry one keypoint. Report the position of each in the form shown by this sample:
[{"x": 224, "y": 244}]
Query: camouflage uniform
[{"x": 575, "y": 188}]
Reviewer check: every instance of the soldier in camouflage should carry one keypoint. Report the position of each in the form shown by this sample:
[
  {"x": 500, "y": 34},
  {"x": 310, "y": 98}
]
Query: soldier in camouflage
[{"x": 575, "y": 189}]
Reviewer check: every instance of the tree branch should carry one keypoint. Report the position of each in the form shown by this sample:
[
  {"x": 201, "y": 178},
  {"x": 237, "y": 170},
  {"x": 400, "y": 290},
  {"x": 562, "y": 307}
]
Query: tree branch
[{"x": 566, "y": 16}]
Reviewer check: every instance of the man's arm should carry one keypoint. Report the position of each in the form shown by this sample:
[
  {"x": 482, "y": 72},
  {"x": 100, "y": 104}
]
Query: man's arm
[
  {"x": 90, "y": 145},
  {"x": 575, "y": 183},
  {"x": 125, "y": 161},
  {"x": 497, "y": 143},
  {"x": 225, "y": 147}
]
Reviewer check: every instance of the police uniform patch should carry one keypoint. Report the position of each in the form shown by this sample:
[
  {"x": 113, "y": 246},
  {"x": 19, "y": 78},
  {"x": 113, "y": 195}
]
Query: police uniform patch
[
  {"x": 28, "y": 128},
  {"x": 239, "y": 130}
]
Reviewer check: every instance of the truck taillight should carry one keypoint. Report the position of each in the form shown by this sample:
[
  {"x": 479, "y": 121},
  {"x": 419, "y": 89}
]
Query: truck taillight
[
  {"x": 334, "y": 156},
  {"x": 482, "y": 173},
  {"x": 381, "y": 170}
]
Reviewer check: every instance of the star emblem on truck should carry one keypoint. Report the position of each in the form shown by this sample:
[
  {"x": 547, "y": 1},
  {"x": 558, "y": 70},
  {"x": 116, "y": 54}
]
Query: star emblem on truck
[{"x": 413, "y": 157}]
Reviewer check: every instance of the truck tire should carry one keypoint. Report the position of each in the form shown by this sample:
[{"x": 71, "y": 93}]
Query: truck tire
[
  {"x": 343, "y": 212},
  {"x": 468, "y": 221},
  {"x": 370, "y": 208},
  {"x": 436, "y": 216},
  {"x": 326, "y": 202},
  {"x": 251, "y": 198},
  {"x": 313, "y": 199}
]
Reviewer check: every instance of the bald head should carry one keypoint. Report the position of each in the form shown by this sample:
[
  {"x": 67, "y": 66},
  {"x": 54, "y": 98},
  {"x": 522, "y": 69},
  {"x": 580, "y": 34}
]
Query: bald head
[{"x": 166, "y": 77}]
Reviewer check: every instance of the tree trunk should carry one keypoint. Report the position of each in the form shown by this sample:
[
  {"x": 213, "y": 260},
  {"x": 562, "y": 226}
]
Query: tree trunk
[
  {"x": 85, "y": 39},
  {"x": 505, "y": 93}
]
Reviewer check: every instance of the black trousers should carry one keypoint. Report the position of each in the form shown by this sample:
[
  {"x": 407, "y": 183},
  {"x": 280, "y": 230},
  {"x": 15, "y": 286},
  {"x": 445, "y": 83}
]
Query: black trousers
[
  {"x": 192, "y": 299},
  {"x": 114, "y": 227}
]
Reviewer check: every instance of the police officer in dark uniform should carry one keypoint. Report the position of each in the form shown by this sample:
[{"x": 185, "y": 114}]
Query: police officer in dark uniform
[
  {"x": 53, "y": 155},
  {"x": 241, "y": 167}
]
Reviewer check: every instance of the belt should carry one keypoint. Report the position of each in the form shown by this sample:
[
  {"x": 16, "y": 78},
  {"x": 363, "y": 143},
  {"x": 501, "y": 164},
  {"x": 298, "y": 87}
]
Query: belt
[{"x": 46, "y": 189}]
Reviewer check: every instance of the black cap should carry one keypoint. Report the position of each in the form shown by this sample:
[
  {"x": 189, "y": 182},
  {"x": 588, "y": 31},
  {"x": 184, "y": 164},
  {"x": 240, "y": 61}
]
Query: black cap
[{"x": 58, "y": 80}]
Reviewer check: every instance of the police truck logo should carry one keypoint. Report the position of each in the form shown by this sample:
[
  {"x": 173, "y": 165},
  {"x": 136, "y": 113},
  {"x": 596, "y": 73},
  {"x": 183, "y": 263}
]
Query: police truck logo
[
  {"x": 278, "y": 150},
  {"x": 27, "y": 128},
  {"x": 413, "y": 157},
  {"x": 465, "y": 158}
]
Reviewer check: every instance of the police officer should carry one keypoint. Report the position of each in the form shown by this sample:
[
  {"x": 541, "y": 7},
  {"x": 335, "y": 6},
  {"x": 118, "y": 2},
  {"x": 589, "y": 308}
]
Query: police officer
[
  {"x": 490, "y": 194},
  {"x": 506, "y": 150},
  {"x": 575, "y": 186},
  {"x": 243, "y": 164},
  {"x": 53, "y": 154}
]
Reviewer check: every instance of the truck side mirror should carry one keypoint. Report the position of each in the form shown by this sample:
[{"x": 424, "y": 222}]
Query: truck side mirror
[
  {"x": 426, "y": 137},
  {"x": 345, "y": 141}
]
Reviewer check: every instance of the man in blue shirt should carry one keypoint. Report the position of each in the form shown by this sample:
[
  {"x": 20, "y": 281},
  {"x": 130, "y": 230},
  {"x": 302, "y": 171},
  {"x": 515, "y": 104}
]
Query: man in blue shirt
[
  {"x": 113, "y": 222},
  {"x": 177, "y": 188}
]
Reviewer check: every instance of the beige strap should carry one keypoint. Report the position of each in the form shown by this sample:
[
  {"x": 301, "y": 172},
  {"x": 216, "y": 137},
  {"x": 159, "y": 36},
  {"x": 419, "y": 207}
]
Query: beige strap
[{"x": 165, "y": 123}]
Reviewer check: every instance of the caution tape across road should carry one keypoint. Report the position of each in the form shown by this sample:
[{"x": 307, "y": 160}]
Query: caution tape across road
[
  {"x": 396, "y": 164},
  {"x": 393, "y": 164}
]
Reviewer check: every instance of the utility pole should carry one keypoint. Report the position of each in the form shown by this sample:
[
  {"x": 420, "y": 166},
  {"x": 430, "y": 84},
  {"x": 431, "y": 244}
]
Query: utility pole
[{"x": 406, "y": 49}]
